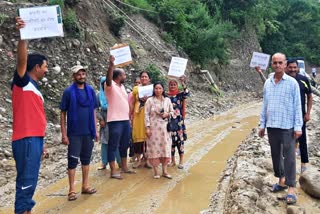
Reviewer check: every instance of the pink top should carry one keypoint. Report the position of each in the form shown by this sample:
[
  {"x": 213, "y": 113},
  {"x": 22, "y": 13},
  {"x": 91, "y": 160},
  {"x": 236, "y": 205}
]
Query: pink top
[{"x": 118, "y": 105}]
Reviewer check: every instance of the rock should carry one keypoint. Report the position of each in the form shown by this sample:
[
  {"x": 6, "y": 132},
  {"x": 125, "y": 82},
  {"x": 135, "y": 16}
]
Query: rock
[
  {"x": 295, "y": 210},
  {"x": 88, "y": 50},
  {"x": 56, "y": 69},
  {"x": 310, "y": 182},
  {"x": 1, "y": 40},
  {"x": 8, "y": 100},
  {"x": 2, "y": 109},
  {"x": 54, "y": 81},
  {"x": 7, "y": 153},
  {"x": 76, "y": 43},
  {"x": 44, "y": 79},
  {"x": 318, "y": 154}
]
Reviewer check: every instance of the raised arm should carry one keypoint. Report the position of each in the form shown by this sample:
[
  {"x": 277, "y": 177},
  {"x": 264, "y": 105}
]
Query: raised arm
[
  {"x": 110, "y": 71},
  {"x": 22, "y": 53},
  {"x": 259, "y": 71}
]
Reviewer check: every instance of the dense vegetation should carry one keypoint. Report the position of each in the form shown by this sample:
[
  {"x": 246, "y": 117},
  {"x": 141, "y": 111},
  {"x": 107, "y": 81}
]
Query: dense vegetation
[{"x": 203, "y": 28}]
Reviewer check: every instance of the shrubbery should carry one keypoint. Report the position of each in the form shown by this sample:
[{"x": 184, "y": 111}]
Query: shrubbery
[{"x": 117, "y": 21}]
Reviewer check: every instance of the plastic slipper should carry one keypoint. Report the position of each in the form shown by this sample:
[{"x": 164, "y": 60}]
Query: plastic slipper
[
  {"x": 147, "y": 166},
  {"x": 278, "y": 188},
  {"x": 101, "y": 167},
  {"x": 291, "y": 199},
  {"x": 167, "y": 176},
  {"x": 116, "y": 176},
  {"x": 156, "y": 176},
  {"x": 88, "y": 190},
  {"x": 129, "y": 171},
  {"x": 180, "y": 166},
  {"x": 72, "y": 196}
]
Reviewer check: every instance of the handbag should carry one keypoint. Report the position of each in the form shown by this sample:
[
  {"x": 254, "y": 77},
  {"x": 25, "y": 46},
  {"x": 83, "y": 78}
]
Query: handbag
[{"x": 172, "y": 126}]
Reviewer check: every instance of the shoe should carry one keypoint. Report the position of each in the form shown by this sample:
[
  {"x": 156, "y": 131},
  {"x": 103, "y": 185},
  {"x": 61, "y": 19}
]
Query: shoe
[
  {"x": 303, "y": 169},
  {"x": 291, "y": 199},
  {"x": 278, "y": 188},
  {"x": 156, "y": 177}
]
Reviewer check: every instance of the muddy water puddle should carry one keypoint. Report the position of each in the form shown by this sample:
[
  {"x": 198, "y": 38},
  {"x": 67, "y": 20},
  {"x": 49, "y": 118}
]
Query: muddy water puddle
[{"x": 210, "y": 143}]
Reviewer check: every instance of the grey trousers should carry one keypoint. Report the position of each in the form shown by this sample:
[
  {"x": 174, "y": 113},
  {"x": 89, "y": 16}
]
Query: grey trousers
[{"x": 283, "y": 154}]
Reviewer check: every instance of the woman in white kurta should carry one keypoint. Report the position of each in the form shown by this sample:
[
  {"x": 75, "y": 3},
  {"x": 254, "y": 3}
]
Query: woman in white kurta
[{"x": 158, "y": 109}]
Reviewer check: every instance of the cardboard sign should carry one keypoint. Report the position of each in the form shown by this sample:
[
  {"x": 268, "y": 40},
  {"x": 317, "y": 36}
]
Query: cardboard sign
[
  {"x": 260, "y": 59},
  {"x": 145, "y": 91},
  {"x": 122, "y": 55},
  {"x": 41, "y": 22},
  {"x": 177, "y": 67}
]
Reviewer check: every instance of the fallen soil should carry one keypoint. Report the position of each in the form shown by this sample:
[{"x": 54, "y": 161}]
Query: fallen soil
[{"x": 248, "y": 178}]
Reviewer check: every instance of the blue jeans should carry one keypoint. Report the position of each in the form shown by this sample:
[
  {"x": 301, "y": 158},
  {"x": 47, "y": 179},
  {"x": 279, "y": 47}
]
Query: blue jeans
[
  {"x": 104, "y": 154},
  {"x": 119, "y": 137},
  {"x": 27, "y": 154}
]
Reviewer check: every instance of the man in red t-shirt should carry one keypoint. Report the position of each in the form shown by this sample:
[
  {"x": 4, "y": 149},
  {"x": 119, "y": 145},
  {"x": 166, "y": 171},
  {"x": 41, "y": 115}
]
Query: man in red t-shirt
[{"x": 29, "y": 122}]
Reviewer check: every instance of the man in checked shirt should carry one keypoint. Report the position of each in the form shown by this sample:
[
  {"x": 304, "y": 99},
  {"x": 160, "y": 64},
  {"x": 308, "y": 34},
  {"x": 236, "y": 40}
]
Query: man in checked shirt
[{"x": 282, "y": 116}]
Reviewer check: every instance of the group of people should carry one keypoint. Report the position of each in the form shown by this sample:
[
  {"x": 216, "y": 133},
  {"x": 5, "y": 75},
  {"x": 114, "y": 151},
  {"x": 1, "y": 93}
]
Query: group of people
[
  {"x": 154, "y": 125},
  {"x": 284, "y": 114}
]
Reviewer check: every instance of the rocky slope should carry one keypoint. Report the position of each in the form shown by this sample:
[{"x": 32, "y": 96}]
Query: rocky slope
[{"x": 90, "y": 50}]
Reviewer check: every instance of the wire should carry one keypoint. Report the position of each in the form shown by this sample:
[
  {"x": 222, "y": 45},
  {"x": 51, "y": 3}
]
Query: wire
[{"x": 138, "y": 8}]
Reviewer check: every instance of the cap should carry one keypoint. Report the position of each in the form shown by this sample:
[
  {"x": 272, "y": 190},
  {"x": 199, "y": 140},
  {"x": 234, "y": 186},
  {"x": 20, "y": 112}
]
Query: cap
[{"x": 77, "y": 68}]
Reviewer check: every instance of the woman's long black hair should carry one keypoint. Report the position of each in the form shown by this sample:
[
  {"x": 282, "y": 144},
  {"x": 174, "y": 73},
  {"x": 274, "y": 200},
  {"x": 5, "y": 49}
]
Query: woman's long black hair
[{"x": 154, "y": 86}]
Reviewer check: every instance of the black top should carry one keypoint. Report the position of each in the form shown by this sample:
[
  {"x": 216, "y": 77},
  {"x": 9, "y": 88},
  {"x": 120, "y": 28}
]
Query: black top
[{"x": 305, "y": 89}]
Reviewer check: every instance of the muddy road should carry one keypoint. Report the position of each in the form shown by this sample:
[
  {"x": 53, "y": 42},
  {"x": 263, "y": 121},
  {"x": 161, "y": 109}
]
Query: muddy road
[{"x": 210, "y": 144}]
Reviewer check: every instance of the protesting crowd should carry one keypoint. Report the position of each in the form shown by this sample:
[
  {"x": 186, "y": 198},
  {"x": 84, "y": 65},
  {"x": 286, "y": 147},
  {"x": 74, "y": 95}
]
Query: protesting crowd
[
  {"x": 150, "y": 128},
  {"x": 137, "y": 130}
]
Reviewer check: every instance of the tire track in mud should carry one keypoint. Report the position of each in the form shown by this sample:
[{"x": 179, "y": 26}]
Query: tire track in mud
[{"x": 140, "y": 193}]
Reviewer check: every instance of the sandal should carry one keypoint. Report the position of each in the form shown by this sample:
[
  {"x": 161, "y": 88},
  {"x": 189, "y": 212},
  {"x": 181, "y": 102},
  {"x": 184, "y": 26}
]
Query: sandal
[
  {"x": 88, "y": 190},
  {"x": 167, "y": 176},
  {"x": 116, "y": 176},
  {"x": 129, "y": 171},
  {"x": 291, "y": 199},
  {"x": 102, "y": 167},
  {"x": 72, "y": 196},
  {"x": 180, "y": 166},
  {"x": 278, "y": 188},
  {"x": 146, "y": 165},
  {"x": 156, "y": 177}
]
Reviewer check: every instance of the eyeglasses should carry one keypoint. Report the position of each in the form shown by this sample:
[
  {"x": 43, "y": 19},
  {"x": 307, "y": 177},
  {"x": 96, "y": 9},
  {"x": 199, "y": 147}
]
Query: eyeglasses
[{"x": 279, "y": 62}]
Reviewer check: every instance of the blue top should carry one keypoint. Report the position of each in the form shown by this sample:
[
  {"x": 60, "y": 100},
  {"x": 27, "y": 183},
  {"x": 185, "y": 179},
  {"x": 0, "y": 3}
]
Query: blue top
[
  {"x": 281, "y": 104},
  {"x": 83, "y": 120}
]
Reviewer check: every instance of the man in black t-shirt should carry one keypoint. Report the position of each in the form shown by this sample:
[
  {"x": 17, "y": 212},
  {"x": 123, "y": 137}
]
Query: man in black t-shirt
[{"x": 305, "y": 91}]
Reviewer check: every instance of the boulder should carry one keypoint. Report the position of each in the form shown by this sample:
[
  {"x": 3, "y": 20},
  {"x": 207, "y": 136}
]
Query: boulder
[
  {"x": 295, "y": 210},
  {"x": 310, "y": 182}
]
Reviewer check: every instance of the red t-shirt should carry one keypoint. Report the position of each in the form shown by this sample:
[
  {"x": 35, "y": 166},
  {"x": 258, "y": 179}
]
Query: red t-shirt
[{"x": 29, "y": 119}]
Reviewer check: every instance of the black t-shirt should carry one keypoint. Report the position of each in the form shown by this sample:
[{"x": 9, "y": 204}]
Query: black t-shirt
[{"x": 305, "y": 89}]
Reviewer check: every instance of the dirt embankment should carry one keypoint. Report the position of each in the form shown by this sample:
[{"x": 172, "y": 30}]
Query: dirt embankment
[{"x": 246, "y": 182}]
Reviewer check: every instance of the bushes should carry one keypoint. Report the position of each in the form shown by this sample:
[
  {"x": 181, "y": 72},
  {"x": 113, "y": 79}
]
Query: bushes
[
  {"x": 57, "y": 2},
  {"x": 3, "y": 18},
  {"x": 116, "y": 23},
  {"x": 70, "y": 23},
  {"x": 155, "y": 74}
]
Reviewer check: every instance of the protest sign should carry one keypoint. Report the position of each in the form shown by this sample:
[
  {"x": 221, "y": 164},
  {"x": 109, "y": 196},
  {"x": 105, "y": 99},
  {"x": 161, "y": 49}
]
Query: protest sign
[
  {"x": 260, "y": 59},
  {"x": 41, "y": 22},
  {"x": 122, "y": 55},
  {"x": 177, "y": 67},
  {"x": 145, "y": 91}
]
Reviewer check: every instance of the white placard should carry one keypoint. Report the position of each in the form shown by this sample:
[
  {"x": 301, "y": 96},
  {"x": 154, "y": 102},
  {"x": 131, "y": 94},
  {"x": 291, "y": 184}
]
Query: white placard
[
  {"x": 177, "y": 66},
  {"x": 145, "y": 91},
  {"x": 41, "y": 22},
  {"x": 122, "y": 55},
  {"x": 260, "y": 59}
]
